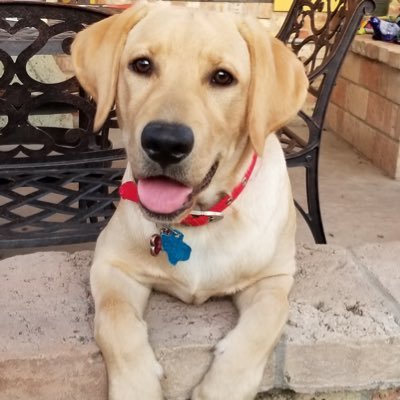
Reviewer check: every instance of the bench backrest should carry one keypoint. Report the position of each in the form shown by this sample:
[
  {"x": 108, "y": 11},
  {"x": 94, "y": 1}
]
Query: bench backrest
[{"x": 57, "y": 183}]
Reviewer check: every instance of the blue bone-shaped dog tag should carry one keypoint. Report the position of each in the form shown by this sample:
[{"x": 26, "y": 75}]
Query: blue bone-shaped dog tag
[{"x": 173, "y": 244}]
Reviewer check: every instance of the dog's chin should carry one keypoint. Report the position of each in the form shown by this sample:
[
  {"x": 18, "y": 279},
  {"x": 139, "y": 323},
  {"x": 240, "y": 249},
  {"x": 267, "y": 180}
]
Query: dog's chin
[
  {"x": 179, "y": 214},
  {"x": 167, "y": 219}
]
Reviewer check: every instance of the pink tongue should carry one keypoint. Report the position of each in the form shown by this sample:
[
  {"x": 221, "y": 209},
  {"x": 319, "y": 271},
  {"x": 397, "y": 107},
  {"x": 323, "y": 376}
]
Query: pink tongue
[{"x": 162, "y": 196}]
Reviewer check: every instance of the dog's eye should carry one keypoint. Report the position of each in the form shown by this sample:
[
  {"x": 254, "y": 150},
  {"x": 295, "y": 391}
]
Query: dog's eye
[
  {"x": 142, "y": 66},
  {"x": 222, "y": 78}
]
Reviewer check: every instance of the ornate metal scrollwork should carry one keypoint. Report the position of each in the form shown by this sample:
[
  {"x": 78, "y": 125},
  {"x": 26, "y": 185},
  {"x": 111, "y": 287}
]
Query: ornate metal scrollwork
[
  {"x": 57, "y": 181},
  {"x": 28, "y": 32},
  {"x": 319, "y": 32},
  {"x": 315, "y": 29}
]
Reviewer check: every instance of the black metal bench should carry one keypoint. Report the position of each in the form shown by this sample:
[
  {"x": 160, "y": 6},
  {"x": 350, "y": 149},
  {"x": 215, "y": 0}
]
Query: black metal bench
[{"x": 58, "y": 185}]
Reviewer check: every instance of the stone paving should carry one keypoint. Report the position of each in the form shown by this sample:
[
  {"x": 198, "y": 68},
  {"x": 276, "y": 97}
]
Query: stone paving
[{"x": 343, "y": 332}]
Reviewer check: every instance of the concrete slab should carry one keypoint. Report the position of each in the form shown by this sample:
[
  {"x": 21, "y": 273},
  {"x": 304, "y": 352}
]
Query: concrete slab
[
  {"x": 342, "y": 333},
  {"x": 384, "y": 270},
  {"x": 183, "y": 337},
  {"x": 47, "y": 350},
  {"x": 333, "y": 298}
]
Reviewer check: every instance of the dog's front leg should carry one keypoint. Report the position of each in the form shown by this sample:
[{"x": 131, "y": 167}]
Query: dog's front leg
[
  {"x": 121, "y": 333},
  {"x": 240, "y": 358}
]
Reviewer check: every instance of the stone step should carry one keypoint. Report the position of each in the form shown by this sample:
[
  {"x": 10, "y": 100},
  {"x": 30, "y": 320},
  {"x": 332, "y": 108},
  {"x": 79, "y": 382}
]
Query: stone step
[{"x": 343, "y": 331}]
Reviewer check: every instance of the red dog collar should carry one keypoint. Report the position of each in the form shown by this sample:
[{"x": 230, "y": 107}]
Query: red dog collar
[{"x": 128, "y": 191}]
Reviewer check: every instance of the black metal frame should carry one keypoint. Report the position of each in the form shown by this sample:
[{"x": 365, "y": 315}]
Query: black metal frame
[
  {"x": 57, "y": 185},
  {"x": 324, "y": 48}
]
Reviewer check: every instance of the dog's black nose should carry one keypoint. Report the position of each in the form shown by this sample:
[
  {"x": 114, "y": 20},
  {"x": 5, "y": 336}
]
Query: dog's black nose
[{"x": 167, "y": 143}]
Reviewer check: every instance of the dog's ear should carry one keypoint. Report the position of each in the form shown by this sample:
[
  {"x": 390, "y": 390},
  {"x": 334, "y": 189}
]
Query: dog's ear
[
  {"x": 278, "y": 85},
  {"x": 96, "y": 53}
]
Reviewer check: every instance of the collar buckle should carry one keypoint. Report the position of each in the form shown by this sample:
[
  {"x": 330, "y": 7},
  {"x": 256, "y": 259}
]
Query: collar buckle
[{"x": 211, "y": 215}]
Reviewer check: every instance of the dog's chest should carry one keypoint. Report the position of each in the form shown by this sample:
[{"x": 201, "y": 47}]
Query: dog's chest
[{"x": 219, "y": 264}]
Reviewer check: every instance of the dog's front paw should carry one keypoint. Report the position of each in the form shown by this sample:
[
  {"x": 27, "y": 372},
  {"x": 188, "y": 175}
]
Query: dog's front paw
[
  {"x": 227, "y": 379},
  {"x": 231, "y": 390},
  {"x": 139, "y": 381},
  {"x": 235, "y": 373},
  {"x": 124, "y": 387}
]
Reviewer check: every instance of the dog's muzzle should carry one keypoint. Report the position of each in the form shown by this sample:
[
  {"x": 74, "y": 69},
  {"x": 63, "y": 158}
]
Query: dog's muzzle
[{"x": 162, "y": 196}]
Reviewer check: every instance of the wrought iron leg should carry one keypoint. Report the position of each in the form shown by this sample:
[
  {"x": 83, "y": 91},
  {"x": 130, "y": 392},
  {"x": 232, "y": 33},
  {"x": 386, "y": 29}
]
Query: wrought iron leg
[{"x": 314, "y": 218}]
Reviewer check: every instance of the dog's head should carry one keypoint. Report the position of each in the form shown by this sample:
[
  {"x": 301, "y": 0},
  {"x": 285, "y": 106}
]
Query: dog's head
[{"x": 194, "y": 92}]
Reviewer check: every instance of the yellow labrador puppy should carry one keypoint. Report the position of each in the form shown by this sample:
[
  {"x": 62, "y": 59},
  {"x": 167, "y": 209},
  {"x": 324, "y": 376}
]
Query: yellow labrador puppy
[{"x": 198, "y": 94}]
